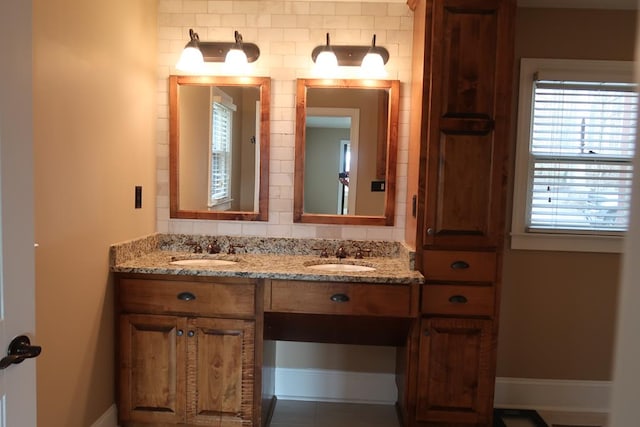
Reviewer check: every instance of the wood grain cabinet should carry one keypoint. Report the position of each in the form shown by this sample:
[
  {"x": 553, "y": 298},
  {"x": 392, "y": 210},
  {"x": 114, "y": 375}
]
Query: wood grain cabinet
[
  {"x": 187, "y": 353},
  {"x": 464, "y": 50},
  {"x": 468, "y": 58},
  {"x": 455, "y": 375}
]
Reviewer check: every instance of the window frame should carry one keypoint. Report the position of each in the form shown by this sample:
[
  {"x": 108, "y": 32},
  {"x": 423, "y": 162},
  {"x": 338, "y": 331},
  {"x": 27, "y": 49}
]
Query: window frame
[
  {"x": 560, "y": 240},
  {"x": 225, "y": 102}
]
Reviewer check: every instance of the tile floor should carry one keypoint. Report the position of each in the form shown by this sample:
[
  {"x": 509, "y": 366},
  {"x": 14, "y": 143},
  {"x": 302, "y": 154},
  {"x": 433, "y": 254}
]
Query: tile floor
[
  {"x": 295, "y": 413},
  {"x": 578, "y": 419}
]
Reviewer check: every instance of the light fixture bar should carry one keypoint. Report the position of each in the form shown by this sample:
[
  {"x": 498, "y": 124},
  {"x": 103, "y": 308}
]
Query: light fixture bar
[
  {"x": 350, "y": 55},
  {"x": 217, "y": 51}
]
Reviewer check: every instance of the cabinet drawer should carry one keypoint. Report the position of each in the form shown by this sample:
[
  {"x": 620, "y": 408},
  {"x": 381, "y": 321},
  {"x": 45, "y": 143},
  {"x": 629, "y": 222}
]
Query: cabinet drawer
[
  {"x": 182, "y": 297},
  {"x": 458, "y": 300},
  {"x": 291, "y": 296},
  {"x": 459, "y": 266}
]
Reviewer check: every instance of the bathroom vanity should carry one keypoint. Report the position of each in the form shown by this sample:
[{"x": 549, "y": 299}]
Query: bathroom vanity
[{"x": 196, "y": 342}]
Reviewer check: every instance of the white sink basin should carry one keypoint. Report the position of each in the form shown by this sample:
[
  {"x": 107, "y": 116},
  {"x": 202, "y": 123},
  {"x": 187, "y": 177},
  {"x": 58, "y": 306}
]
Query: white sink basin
[
  {"x": 340, "y": 267},
  {"x": 203, "y": 262}
]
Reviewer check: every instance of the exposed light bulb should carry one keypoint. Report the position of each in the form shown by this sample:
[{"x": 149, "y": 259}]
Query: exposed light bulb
[
  {"x": 373, "y": 66},
  {"x": 326, "y": 64},
  {"x": 191, "y": 59},
  {"x": 236, "y": 61}
]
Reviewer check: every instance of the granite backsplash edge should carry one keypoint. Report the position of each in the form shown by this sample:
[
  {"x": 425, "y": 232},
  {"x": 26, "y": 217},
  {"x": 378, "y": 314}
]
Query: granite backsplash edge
[{"x": 124, "y": 251}]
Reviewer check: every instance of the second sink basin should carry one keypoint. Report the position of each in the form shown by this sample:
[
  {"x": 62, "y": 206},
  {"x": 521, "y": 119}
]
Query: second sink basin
[
  {"x": 203, "y": 262},
  {"x": 340, "y": 267}
]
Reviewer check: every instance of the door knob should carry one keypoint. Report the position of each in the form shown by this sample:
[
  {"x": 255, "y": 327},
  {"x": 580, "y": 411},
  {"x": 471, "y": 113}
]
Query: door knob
[{"x": 20, "y": 348}]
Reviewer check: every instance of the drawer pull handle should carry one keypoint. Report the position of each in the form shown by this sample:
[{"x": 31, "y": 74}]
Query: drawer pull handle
[
  {"x": 340, "y": 298},
  {"x": 458, "y": 299},
  {"x": 186, "y": 296},
  {"x": 459, "y": 265}
]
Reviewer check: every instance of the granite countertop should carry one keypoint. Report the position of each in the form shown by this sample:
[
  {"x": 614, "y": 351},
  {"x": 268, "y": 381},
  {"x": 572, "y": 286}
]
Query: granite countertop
[
  {"x": 269, "y": 266},
  {"x": 288, "y": 266}
]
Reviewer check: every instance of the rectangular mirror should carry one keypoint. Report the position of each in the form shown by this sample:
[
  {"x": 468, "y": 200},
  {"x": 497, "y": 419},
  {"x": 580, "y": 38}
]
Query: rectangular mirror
[
  {"x": 345, "y": 151},
  {"x": 219, "y": 147}
]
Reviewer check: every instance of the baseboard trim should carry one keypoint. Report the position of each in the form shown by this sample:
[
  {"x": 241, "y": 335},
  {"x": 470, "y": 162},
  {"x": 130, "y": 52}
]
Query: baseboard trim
[
  {"x": 108, "y": 419},
  {"x": 332, "y": 386},
  {"x": 553, "y": 395},
  {"x": 522, "y": 393}
]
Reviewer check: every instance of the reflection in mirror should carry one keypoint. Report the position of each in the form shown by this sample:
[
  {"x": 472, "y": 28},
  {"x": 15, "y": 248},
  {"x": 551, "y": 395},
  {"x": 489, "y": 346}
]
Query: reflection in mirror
[
  {"x": 346, "y": 139},
  {"x": 219, "y": 147}
]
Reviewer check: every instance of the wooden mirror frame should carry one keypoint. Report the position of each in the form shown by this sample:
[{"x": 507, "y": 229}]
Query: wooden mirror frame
[
  {"x": 299, "y": 216},
  {"x": 264, "y": 86}
]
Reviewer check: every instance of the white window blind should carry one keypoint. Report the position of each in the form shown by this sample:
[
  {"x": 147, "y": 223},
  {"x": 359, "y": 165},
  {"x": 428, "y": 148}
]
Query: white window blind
[
  {"x": 221, "y": 133},
  {"x": 581, "y": 147}
]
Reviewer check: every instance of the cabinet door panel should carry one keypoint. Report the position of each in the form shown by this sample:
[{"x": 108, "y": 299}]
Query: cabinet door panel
[
  {"x": 152, "y": 378},
  {"x": 454, "y": 374},
  {"x": 468, "y": 69},
  {"x": 220, "y": 372},
  {"x": 464, "y": 155},
  {"x": 464, "y": 188}
]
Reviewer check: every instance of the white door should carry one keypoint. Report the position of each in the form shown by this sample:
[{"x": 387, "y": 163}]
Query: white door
[{"x": 17, "y": 272}]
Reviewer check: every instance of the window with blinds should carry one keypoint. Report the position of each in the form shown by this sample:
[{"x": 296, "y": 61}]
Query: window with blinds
[
  {"x": 220, "y": 160},
  {"x": 582, "y": 139}
]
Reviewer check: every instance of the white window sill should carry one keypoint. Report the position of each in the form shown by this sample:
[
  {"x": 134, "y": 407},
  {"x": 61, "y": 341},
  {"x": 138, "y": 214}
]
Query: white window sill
[{"x": 567, "y": 242}]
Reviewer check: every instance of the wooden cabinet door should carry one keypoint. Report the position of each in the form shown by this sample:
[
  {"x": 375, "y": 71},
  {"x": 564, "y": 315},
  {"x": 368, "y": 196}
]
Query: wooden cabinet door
[
  {"x": 152, "y": 369},
  {"x": 470, "y": 56},
  {"x": 455, "y": 378},
  {"x": 220, "y": 373}
]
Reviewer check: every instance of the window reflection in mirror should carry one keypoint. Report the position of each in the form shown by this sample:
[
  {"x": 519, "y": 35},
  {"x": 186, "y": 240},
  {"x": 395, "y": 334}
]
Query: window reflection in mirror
[
  {"x": 218, "y": 147},
  {"x": 346, "y": 138}
]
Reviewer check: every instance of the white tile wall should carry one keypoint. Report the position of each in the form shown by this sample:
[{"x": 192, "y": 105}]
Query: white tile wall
[{"x": 286, "y": 32}]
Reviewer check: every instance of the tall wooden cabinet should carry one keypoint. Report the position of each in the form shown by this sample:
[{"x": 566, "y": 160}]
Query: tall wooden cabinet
[{"x": 463, "y": 97}]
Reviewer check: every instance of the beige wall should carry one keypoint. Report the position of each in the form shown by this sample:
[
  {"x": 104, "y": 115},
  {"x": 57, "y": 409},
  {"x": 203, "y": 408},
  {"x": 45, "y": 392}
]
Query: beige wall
[
  {"x": 321, "y": 176},
  {"x": 558, "y": 308},
  {"x": 94, "y": 81}
]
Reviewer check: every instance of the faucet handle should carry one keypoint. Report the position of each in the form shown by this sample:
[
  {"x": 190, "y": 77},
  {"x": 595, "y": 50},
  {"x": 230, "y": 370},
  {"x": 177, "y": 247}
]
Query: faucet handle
[
  {"x": 232, "y": 248},
  {"x": 213, "y": 247},
  {"x": 197, "y": 249},
  {"x": 323, "y": 252},
  {"x": 360, "y": 252}
]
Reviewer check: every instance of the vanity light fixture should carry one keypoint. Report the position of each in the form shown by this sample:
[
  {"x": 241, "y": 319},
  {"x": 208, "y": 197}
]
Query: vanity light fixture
[
  {"x": 236, "y": 55},
  {"x": 370, "y": 59}
]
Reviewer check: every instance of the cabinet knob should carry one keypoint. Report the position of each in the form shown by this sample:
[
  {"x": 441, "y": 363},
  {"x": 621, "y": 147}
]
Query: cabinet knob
[
  {"x": 191, "y": 333},
  {"x": 430, "y": 231},
  {"x": 179, "y": 332},
  {"x": 340, "y": 298},
  {"x": 459, "y": 265},
  {"x": 458, "y": 299},
  {"x": 186, "y": 296}
]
